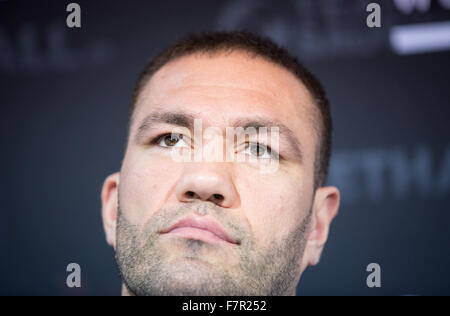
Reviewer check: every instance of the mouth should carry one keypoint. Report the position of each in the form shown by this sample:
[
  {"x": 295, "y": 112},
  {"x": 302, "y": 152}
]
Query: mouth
[{"x": 200, "y": 228}]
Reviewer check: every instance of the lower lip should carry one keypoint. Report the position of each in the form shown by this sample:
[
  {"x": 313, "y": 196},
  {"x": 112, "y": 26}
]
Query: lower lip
[{"x": 196, "y": 233}]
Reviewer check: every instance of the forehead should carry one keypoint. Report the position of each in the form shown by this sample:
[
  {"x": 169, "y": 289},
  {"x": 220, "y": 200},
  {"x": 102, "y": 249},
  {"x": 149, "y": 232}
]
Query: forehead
[{"x": 225, "y": 86}]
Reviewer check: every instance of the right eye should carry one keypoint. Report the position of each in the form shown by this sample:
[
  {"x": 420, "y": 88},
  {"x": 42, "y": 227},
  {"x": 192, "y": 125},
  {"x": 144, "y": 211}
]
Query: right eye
[{"x": 171, "y": 140}]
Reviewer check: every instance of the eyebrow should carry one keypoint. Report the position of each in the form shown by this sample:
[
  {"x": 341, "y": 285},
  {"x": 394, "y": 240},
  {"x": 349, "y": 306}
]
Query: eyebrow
[
  {"x": 171, "y": 118},
  {"x": 184, "y": 119}
]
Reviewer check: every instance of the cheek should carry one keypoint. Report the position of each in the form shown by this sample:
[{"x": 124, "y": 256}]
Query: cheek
[
  {"x": 144, "y": 187},
  {"x": 274, "y": 205}
]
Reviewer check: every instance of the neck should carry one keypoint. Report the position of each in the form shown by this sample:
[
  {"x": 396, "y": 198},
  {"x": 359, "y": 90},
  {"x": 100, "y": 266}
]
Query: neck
[{"x": 125, "y": 291}]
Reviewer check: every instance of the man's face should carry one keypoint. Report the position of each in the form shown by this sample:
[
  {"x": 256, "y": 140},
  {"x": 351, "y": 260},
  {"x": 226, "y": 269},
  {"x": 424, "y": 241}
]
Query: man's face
[{"x": 240, "y": 231}]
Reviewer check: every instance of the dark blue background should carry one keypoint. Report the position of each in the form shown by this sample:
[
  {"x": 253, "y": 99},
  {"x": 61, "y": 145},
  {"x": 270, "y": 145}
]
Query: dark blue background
[{"x": 64, "y": 95}]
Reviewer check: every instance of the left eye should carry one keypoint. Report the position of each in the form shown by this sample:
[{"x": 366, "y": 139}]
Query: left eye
[
  {"x": 258, "y": 150},
  {"x": 171, "y": 140}
]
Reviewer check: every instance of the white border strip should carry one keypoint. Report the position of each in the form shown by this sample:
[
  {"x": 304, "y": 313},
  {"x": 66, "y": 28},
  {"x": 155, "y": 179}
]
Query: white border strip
[{"x": 420, "y": 38}]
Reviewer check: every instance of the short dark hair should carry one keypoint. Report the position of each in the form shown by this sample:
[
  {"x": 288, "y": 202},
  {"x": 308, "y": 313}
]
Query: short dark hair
[{"x": 256, "y": 45}]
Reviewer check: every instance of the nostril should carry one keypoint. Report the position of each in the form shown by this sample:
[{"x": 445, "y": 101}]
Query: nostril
[
  {"x": 190, "y": 194},
  {"x": 214, "y": 198}
]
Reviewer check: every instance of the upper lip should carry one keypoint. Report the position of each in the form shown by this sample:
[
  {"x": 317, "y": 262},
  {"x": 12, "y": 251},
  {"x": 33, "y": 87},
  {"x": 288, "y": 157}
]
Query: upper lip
[{"x": 202, "y": 223}]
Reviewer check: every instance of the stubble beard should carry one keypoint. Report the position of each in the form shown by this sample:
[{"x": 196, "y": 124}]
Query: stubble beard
[{"x": 145, "y": 269}]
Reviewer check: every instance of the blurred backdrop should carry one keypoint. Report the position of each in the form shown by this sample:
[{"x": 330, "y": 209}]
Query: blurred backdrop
[{"x": 64, "y": 94}]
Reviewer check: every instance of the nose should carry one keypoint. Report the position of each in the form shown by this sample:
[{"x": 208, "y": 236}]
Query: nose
[{"x": 207, "y": 182}]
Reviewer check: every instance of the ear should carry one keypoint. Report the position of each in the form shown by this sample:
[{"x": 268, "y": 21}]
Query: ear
[
  {"x": 325, "y": 208},
  {"x": 109, "y": 198}
]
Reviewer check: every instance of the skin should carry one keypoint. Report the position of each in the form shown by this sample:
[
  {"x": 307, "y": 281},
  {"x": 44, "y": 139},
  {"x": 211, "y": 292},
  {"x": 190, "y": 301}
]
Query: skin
[{"x": 265, "y": 212}]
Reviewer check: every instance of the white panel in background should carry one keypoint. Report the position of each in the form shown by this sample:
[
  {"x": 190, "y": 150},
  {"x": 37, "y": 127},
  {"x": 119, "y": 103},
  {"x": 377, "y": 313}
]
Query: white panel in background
[{"x": 420, "y": 38}]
